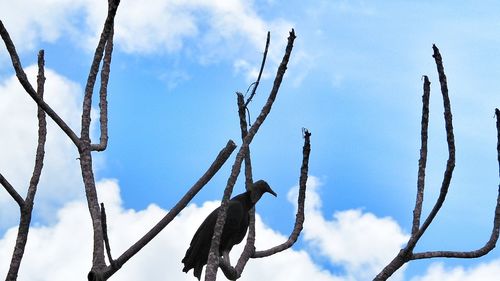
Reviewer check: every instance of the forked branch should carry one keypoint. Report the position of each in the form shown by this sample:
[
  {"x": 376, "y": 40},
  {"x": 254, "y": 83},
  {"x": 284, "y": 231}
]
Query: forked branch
[
  {"x": 213, "y": 257},
  {"x": 406, "y": 254}
]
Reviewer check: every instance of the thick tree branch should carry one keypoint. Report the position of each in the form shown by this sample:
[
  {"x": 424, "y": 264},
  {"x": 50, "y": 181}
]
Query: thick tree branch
[
  {"x": 85, "y": 149},
  {"x": 27, "y": 207},
  {"x": 23, "y": 79},
  {"x": 422, "y": 162},
  {"x": 207, "y": 176},
  {"x": 213, "y": 257}
]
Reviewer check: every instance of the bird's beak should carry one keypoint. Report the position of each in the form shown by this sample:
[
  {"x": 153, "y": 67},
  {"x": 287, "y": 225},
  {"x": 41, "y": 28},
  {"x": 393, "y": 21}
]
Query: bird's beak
[{"x": 272, "y": 192}]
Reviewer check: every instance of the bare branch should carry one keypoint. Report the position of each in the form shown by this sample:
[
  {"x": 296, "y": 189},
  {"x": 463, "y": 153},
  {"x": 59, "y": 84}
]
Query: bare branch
[
  {"x": 134, "y": 249},
  {"x": 233, "y": 273},
  {"x": 491, "y": 243},
  {"x": 103, "y": 94},
  {"x": 300, "y": 216},
  {"x": 212, "y": 265},
  {"x": 12, "y": 191},
  {"x": 106, "y": 33},
  {"x": 23, "y": 79},
  {"x": 417, "y": 212},
  {"x": 450, "y": 165},
  {"x": 105, "y": 235},
  {"x": 27, "y": 207},
  {"x": 256, "y": 83},
  {"x": 85, "y": 149}
]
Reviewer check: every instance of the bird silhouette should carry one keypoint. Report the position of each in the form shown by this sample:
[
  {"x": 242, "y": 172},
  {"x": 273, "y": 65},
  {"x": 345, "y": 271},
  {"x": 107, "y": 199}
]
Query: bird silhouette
[{"x": 235, "y": 228}]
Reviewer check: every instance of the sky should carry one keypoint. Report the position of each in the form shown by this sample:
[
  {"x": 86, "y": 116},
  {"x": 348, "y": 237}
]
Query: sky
[{"x": 354, "y": 80}]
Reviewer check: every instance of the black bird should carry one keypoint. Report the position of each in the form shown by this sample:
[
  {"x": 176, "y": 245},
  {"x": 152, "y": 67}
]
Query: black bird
[{"x": 234, "y": 230}]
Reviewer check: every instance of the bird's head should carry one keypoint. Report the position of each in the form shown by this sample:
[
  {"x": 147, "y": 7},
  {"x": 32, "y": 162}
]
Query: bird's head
[{"x": 258, "y": 188}]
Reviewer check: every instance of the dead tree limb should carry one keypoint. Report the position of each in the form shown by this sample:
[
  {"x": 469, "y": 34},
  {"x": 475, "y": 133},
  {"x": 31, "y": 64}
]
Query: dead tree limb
[
  {"x": 26, "y": 207},
  {"x": 136, "y": 247},
  {"x": 213, "y": 257},
  {"x": 234, "y": 273},
  {"x": 406, "y": 254},
  {"x": 103, "y": 95}
]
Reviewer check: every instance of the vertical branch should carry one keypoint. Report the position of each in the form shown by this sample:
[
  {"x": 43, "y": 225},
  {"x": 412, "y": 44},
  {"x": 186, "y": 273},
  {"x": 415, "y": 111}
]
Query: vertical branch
[
  {"x": 103, "y": 94},
  {"x": 106, "y": 33},
  {"x": 422, "y": 162},
  {"x": 27, "y": 207},
  {"x": 105, "y": 235},
  {"x": 85, "y": 149},
  {"x": 213, "y": 257},
  {"x": 450, "y": 139}
]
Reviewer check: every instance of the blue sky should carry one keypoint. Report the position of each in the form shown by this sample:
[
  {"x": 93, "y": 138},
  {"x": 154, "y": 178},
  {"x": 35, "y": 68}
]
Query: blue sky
[{"x": 354, "y": 81}]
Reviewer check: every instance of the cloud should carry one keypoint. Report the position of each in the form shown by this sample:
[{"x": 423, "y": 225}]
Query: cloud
[
  {"x": 203, "y": 30},
  {"x": 61, "y": 178},
  {"x": 484, "y": 271},
  {"x": 358, "y": 241},
  {"x": 161, "y": 258},
  {"x": 31, "y": 22}
]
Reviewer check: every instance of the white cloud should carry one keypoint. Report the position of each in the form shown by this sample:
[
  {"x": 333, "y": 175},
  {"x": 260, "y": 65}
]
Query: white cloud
[
  {"x": 361, "y": 242},
  {"x": 208, "y": 31},
  {"x": 162, "y": 256},
  {"x": 18, "y": 124},
  {"x": 484, "y": 271}
]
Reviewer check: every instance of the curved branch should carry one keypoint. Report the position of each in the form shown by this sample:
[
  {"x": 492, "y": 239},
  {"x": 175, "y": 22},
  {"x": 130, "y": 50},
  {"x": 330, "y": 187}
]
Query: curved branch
[
  {"x": 491, "y": 243},
  {"x": 300, "y": 216},
  {"x": 422, "y": 162}
]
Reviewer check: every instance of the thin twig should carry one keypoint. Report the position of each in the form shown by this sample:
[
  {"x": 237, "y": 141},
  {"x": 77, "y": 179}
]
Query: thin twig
[
  {"x": 422, "y": 162},
  {"x": 105, "y": 235},
  {"x": 257, "y": 82},
  {"x": 213, "y": 257},
  {"x": 23, "y": 79}
]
